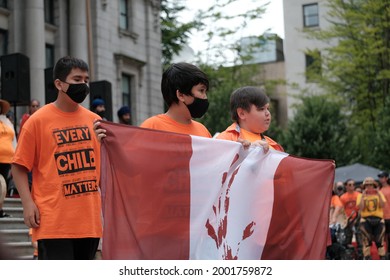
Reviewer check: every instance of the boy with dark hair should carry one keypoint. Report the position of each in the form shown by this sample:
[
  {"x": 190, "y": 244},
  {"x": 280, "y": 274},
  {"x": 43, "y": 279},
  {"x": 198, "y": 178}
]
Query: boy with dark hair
[
  {"x": 249, "y": 109},
  {"x": 59, "y": 146},
  {"x": 184, "y": 88}
]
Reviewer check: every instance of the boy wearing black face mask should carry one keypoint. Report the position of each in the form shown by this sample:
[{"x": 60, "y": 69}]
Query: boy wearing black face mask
[
  {"x": 184, "y": 87},
  {"x": 59, "y": 146}
]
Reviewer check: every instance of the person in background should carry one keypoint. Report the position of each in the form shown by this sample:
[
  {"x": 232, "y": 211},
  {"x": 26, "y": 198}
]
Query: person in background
[
  {"x": 7, "y": 150},
  {"x": 385, "y": 189},
  {"x": 336, "y": 209},
  {"x": 98, "y": 106},
  {"x": 340, "y": 188},
  {"x": 63, "y": 207},
  {"x": 351, "y": 210},
  {"x": 11, "y": 116},
  {"x": 359, "y": 188},
  {"x": 124, "y": 115},
  {"x": 372, "y": 225},
  {"x": 348, "y": 199},
  {"x": 249, "y": 109},
  {"x": 33, "y": 107}
]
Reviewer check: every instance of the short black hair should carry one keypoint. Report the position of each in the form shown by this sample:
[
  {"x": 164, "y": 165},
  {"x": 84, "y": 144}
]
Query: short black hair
[
  {"x": 244, "y": 97},
  {"x": 65, "y": 65},
  {"x": 181, "y": 76}
]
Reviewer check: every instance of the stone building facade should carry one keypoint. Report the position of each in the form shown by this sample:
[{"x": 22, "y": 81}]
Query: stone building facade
[
  {"x": 298, "y": 16},
  {"x": 120, "y": 40}
]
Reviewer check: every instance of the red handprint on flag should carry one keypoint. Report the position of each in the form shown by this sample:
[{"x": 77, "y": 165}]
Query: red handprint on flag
[{"x": 218, "y": 230}]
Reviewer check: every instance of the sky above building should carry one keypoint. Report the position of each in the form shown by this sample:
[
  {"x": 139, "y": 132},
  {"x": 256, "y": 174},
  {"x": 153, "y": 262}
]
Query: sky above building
[{"x": 271, "y": 20}]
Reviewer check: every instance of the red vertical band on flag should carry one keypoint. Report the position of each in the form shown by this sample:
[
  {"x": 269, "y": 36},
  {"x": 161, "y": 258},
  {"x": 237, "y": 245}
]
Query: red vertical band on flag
[
  {"x": 148, "y": 215},
  {"x": 299, "y": 224}
]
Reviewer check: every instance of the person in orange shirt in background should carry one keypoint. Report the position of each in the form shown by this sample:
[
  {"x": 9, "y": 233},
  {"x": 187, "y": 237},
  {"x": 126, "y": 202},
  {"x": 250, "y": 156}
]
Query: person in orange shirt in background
[
  {"x": 64, "y": 205},
  {"x": 348, "y": 199},
  {"x": 249, "y": 109},
  {"x": 7, "y": 149},
  {"x": 351, "y": 210},
  {"x": 385, "y": 189},
  {"x": 336, "y": 209}
]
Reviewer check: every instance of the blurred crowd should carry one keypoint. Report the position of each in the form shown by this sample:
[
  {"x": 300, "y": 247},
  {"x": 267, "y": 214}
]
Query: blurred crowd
[{"x": 359, "y": 219}]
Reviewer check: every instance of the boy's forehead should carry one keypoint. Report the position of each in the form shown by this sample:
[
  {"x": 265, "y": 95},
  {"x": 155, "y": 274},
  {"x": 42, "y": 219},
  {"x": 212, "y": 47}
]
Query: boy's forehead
[
  {"x": 77, "y": 72},
  {"x": 201, "y": 85},
  {"x": 259, "y": 106}
]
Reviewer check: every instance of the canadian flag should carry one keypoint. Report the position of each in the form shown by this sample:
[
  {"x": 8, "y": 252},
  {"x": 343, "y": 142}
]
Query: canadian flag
[{"x": 175, "y": 196}]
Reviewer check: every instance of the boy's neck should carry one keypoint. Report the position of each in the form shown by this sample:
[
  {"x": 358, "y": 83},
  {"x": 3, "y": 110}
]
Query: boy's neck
[
  {"x": 246, "y": 128},
  {"x": 65, "y": 104},
  {"x": 179, "y": 114}
]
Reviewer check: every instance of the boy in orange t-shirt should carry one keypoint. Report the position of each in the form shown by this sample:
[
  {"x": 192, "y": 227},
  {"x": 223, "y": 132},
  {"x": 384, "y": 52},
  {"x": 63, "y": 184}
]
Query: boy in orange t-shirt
[
  {"x": 59, "y": 146},
  {"x": 249, "y": 109},
  {"x": 184, "y": 88}
]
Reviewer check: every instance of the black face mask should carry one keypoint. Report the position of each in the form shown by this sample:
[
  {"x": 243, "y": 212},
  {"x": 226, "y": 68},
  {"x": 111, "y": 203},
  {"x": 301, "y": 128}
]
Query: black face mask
[
  {"x": 198, "y": 108},
  {"x": 102, "y": 114},
  {"x": 77, "y": 92}
]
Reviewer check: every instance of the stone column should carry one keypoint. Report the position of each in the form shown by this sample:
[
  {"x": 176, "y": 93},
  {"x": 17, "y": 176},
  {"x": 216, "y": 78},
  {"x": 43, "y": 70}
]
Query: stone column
[
  {"x": 35, "y": 47},
  {"x": 78, "y": 35}
]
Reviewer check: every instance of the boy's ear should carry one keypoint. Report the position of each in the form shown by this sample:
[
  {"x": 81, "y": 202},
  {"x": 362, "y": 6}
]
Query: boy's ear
[
  {"x": 180, "y": 95},
  {"x": 57, "y": 84},
  {"x": 241, "y": 113}
]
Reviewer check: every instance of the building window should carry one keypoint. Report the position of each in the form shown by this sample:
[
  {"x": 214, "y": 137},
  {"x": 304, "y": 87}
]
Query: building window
[
  {"x": 3, "y": 42},
  {"x": 49, "y": 11},
  {"x": 313, "y": 66},
  {"x": 49, "y": 56},
  {"x": 310, "y": 15},
  {"x": 126, "y": 90},
  {"x": 3, "y": 4},
  {"x": 124, "y": 14}
]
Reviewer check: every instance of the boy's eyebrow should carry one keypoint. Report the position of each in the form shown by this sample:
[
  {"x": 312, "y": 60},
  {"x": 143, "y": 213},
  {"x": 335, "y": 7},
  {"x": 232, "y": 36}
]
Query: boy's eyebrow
[{"x": 80, "y": 76}]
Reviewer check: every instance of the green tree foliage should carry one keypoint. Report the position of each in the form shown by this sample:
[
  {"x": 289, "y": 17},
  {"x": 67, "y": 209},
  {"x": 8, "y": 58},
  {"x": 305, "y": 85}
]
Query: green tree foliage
[
  {"x": 318, "y": 130},
  {"x": 221, "y": 35},
  {"x": 174, "y": 34},
  {"x": 356, "y": 67},
  {"x": 223, "y": 61},
  {"x": 379, "y": 142}
]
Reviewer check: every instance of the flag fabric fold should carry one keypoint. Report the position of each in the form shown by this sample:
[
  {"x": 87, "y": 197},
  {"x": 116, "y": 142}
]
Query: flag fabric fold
[{"x": 176, "y": 196}]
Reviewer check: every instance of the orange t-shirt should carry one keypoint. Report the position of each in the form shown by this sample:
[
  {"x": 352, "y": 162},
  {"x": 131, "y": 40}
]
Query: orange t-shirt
[
  {"x": 165, "y": 123},
  {"x": 349, "y": 202},
  {"x": 7, "y": 135},
  {"x": 386, "y": 208},
  {"x": 63, "y": 153},
  {"x": 335, "y": 201},
  {"x": 233, "y": 132}
]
